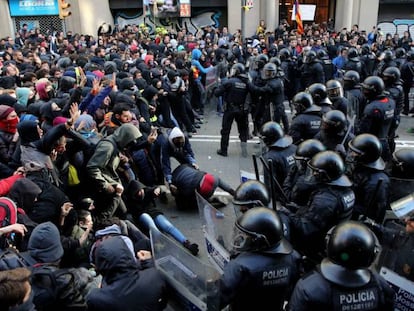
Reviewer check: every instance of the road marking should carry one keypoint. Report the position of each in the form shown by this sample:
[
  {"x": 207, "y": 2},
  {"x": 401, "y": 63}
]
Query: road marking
[{"x": 255, "y": 140}]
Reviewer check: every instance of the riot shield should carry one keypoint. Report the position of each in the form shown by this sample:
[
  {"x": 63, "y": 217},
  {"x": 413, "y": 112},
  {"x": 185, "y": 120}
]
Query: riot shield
[
  {"x": 403, "y": 207},
  {"x": 193, "y": 283},
  {"x": 400, "y": 187},
  {"x": 217, "y": 230},
  {"x": 404, "y": 289},
  {"x": 248, "y": 169}
]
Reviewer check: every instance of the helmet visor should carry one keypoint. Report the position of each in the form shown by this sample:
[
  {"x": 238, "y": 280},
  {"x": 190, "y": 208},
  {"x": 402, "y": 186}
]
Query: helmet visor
[{"x": 244, "y": 240}]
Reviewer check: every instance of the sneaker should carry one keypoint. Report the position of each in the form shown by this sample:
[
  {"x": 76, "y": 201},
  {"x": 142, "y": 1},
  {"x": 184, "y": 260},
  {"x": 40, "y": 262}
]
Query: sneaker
[
  {"x": 192, "y": 247},
  {"x": 190, "y": 135},
  {"x": 410, "y": 130},
  {"x": 222, "y": 153},
  {"x": 197, "y": 126}
]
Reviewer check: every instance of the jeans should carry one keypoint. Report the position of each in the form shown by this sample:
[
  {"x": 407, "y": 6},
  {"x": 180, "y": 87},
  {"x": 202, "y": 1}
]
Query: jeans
[{"x": 161, "y": 223}]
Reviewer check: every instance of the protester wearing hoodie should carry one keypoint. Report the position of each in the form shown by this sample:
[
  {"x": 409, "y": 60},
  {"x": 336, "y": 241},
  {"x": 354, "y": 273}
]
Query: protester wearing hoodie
[
  {"x": 8, "y": 132},
  {"x": 124, "y": 285},
  {"x": 175, "y": 144},
  {"x": 102, "y": 171}
]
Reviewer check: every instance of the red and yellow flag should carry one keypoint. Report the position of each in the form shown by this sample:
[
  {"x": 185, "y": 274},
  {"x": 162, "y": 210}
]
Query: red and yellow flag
[{"x": 298, "y": 18}]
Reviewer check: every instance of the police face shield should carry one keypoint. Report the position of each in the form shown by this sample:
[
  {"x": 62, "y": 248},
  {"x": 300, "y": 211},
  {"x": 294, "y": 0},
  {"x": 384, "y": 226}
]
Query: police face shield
[
  {"x": 310, "y": 175},
  {"x": 244, "y": 240},
  {"x": 268, "y": 74},
  {"x": 335, "y": 93}
]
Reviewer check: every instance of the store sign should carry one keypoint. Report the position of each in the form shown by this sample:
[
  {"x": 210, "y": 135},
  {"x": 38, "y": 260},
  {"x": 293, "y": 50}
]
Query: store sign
[
  {"x": 185, "y": 8},
  {"x": 33, "y": 7}
]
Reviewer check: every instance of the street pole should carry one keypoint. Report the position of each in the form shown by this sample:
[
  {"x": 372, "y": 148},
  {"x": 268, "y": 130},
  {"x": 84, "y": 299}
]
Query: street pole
[{"x": 243, "y": 20}]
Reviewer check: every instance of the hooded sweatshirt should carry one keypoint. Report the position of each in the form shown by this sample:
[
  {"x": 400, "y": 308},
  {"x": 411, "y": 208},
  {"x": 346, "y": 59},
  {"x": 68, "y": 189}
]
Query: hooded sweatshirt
[
  {"x": 44, "y": 243},
  {"x": 196, "y": 67}
]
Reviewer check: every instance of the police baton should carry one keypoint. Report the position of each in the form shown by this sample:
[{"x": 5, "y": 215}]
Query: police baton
[
  {"x": 272, "y": 184},
  {"x": 256, "y": 169},
  {"x": 265, "y": 165},
  {"x": 350, "y": 128}
]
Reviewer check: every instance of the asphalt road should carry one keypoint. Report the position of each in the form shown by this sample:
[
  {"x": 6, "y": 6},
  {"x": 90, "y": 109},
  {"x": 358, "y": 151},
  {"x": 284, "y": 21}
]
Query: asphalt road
[{"x": 207, "y": 141}]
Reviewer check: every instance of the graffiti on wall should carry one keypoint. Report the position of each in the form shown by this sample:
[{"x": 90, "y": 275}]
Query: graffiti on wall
[
  {"x": 193, "y": 24},
  {"x": 397, "y": 26}
]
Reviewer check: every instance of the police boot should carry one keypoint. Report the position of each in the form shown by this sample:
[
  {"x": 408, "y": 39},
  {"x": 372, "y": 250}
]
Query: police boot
[{"x": 243, "y": 146}]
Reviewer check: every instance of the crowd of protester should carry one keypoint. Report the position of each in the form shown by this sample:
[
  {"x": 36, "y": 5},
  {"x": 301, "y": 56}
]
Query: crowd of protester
[{"x": 89, "y": 124}]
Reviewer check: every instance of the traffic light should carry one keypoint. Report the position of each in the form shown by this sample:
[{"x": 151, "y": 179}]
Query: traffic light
[{"x": 63, "y": 9}]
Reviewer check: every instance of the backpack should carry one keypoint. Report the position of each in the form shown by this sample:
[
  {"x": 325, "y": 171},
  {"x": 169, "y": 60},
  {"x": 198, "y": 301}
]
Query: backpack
[
  {"x": 8, "y": 212},
  {"x": 59, "y": 289},
  {"x": 11, "y": 258}
]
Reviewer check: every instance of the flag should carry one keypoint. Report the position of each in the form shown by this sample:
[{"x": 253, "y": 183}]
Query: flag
[{"x": 298, "y": 18}]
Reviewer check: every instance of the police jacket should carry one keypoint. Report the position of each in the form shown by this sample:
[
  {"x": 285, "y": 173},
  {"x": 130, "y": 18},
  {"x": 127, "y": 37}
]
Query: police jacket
[
  {"x": 312, "y": 73},
  {"x": 340, "y": 103},
  {"x": 370, "y": 200},
  {"x": 272, "y": 92},
  {"x": 326, "y": 207},
  {"x": 296, "y": 187},
  {"x": 305, "y": 126},
  {"x": 314, "y": 292},
  {"x": 234, "y": 92},
  {"x": 282, "y": 160},
  {"x": 378, "y": 116},
  {"x": 328, "y": 68},
  {"x": 369, "y": 62},
  {"x": 354, "y": 64},
  {"x": 397, "y": 94},
  {"x": 258, "y": 281}
]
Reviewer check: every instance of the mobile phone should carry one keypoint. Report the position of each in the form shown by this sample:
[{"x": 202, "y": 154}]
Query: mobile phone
[{"x": 78, "y": 75}]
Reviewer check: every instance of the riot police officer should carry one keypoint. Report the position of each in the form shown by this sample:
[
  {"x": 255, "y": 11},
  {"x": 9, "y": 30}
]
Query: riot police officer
[
  {"x": 255, "y": 76},
  {"x": 333, "y": 133},
  {"x": 326, "y": 61},
  {"x": 280, "y": 151},
  {"x": 344, "y": 280},
  {"x": 393, "y": 85},
  {"x": 353, "y": 93},
  {"x": 271, "y": 106},
  {"x": 400, "y": 57},
  {"x": 307, "y": 120},
  {"x": 369, "y": 60},
  {"x": 353, "y": 62},
  {"x": 386, "y": 61},
  {"x": 296, "y": 187},
  {"x": 289, "y": 67},
  {"x": 266, "y": 267},
  {"x": 234, "y": 92},
  {"x": 311, "y": 70},
  {"x": 407, "y": 76},
  {"x": 370, "y": 182},
  {"x": 336, "y": 96},
  {"x": 249, "y": 194},
  {"x": 331, "y": 203},
  {"x": 378, "y": 115},
  {"x": 320, "y": 96}
]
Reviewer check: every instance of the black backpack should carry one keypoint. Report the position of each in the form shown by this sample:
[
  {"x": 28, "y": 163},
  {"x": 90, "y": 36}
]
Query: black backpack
[
  {"x": 59, "y": 289},
  {"x": 11, "y": 258}
]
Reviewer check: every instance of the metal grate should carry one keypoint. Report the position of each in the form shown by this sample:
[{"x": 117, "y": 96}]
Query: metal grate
[{"x": 46, "y": 23}]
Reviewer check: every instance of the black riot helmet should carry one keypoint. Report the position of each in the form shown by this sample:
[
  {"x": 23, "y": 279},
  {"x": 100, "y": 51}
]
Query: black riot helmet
[
  {"x": 351, "y": 249},
  {"x": 365, "y": 49},
  {"x": 373, "y": 87},
  {"x": 251, "y": 193},
  {"x": 319, "y": 94},
  {"x": 403, "y": 163},
  {"x": 400, "y": 52},
  {"x": 329, "y": 168},
  {"x": 237, "y": 69},
  {"x": 273, "y": 135},
  {"x": 261, "y": 60},
  {"x": 388, "y": 55},
  {"x": 285, "y": 54},
  {"x": 303, "y": 102},
  {"x": 275, "y": 60},
  {"x": 269, "y": 71},
  {"x": 353, "y": 54},
  {"x": 322, "y": 54},
  {"x": 410, "y": 55},
  {"x": 334, "y": 122},
  {"x": 391, "y": 75},
  {"x": 351, "y": 79},
  {"x": 260, "y": 229},
  {"x": 334, "y": 89},
  {"x": 310, "y": 57},
  {"x": 308, "y": 148},
  {"x": 367, "y": 150}
]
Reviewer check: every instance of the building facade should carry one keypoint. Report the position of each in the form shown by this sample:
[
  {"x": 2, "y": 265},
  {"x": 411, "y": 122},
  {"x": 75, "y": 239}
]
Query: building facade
[{"x": 88, "y": 15}]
